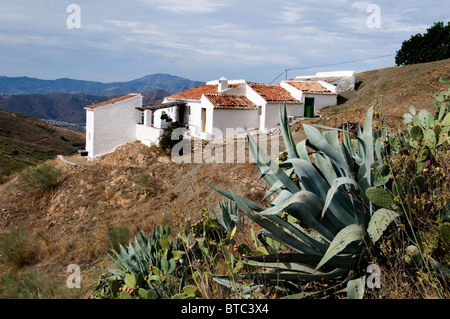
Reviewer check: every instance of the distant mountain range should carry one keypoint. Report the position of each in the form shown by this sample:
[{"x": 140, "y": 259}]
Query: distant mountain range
[
  {"x": 25, "y": 85},
  {"x": 65, "y": 99}
]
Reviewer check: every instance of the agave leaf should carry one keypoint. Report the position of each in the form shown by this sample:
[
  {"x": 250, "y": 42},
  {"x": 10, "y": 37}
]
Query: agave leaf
[
  {"x": 346, "y": 236},
  {"x": 272, "y": 171},
  {"x": 284, "y": 195},
  {"x": 287, "y": 135},
  {"x": 309, "y": 199},
  {"x": 317, "y": 140},
  {"x": 336, "y": 184},
  {"x": 379, "y": 222},
  {"x": 367, "y": 136},
  {"x": 251, "y": 204},
  {"x": 326, "y": 168},
  {"x": 302, "y": 295},
  {"x": 302, "y": 235},
  {"x": 278, "y": 276},
  {"x": 283, "y": 266},
  {"x": 279, "y": 234},
  {"x": 301, "y": 150},
  {"x": 306, "y": 207},
  {"x": 312, "y": 181},
  {"x": 347, "y": 261}
]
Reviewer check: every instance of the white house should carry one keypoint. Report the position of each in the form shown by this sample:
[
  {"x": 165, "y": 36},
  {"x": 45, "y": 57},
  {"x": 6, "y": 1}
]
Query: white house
[
  {"x": 210, "y": 110},
  {"x": 111, "y": 123},
  {"x": 340, "y": 81}
]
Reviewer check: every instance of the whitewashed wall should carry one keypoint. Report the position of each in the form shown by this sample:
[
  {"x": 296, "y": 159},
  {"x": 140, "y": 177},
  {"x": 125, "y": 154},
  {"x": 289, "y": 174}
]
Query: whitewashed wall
[
  {"x": 321, "y": 100},
  {"x": 112, "y": 125},
  {"x": 235, "y": 119},
  {"x": 148, "y": 135}
]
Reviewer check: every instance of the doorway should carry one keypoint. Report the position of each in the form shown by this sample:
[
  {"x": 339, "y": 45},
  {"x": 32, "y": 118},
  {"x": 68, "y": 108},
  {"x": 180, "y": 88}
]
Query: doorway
[
  {"x": 309, "y": 107},
  {"x": 203, "y": 119}
]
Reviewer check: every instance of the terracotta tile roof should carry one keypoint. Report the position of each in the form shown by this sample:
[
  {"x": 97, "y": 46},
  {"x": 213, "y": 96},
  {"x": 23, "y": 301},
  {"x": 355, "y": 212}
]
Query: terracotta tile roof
[
  {"x": 273, "y": 93},
  {"x": 195, "y": 93},
  {"x": 112, "y": 101},
  {"x": 310, "y": 87},
  {"x": 230, "y": 101}
]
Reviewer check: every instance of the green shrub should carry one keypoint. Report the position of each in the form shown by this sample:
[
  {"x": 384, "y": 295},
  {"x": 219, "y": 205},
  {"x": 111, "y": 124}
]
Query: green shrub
[
  {"x": 42, "y": 177},
  {"x": 30, "y": 284},
  {"x": 117, "y": 236},
  {"x": 166, "y": 142},
  {"x": 15, "y": 251}
]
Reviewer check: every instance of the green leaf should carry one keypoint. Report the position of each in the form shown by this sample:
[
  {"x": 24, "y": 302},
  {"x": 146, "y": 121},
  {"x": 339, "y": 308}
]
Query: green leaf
[
  {"x": 379, "y": 222},
  {"x": 130, "y": 280},
  {"x": 426, "y": 119},
  {"x": 416, "y": 132},
  {"x": 430, "y": 138},
  {"x": 407, "y": 118},
  {"x": 346, "y": 236},
  {"x": 380, "y": 197},
  {"x": 382, "y": 175},
  {"x": 355, "y": 288},
  {"x": 146, "y": 294},
  {"x": 193, "y": 291},
  {"x": 446, "y": 121},
  {"x": 178, "y": 254},
  {"x": 164, "y": 265},
  {"x": 202, "y": 246},
  {"x": 165, "y": 244},
  {"x": 125, "y": 295}
]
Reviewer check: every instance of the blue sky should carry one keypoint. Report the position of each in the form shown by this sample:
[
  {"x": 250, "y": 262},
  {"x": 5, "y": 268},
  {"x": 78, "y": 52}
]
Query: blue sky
[{"x": 205, "y": 39}]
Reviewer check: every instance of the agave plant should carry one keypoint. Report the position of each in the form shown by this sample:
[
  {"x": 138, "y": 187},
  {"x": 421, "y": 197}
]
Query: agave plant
[
  {"x": 152, "y": 263},
  {"x": 227, "y": 216},
  {"x": 321, "y": 211}
]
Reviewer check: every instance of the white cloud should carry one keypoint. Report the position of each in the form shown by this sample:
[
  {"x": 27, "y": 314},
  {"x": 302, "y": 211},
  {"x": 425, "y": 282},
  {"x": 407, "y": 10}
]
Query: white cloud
[
  {"x": 291, "y": 14},
  {"x": 192, "y": 6},
  {"x": 361, "y": 5},
  {"x": 121, "y": 23}
]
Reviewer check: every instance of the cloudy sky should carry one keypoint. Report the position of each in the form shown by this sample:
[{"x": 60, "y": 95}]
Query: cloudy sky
[{"x": 206, "y": 39}]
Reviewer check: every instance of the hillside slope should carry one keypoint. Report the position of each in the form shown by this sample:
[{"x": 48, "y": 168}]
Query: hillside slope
[
  {"x": 25, "y": 140},
  {"x": 394, "y": 89},
  {"x": 70, "y": 224}
]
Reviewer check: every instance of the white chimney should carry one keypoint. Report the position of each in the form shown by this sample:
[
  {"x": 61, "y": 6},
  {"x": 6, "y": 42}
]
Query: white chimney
[{"x": 223, "y": 84}]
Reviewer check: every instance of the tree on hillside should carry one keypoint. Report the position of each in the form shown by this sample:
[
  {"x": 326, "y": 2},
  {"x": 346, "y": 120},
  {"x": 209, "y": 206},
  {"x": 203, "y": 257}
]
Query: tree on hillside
[{"x": 434, "y": 45}]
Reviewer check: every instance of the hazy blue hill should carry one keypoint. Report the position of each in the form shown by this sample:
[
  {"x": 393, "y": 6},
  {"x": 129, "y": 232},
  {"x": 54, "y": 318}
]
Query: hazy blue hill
[
  {"x": 63, "y": 106},
  {"x": 55, "y": 106},
  {"x": 26, "y": 85}
]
